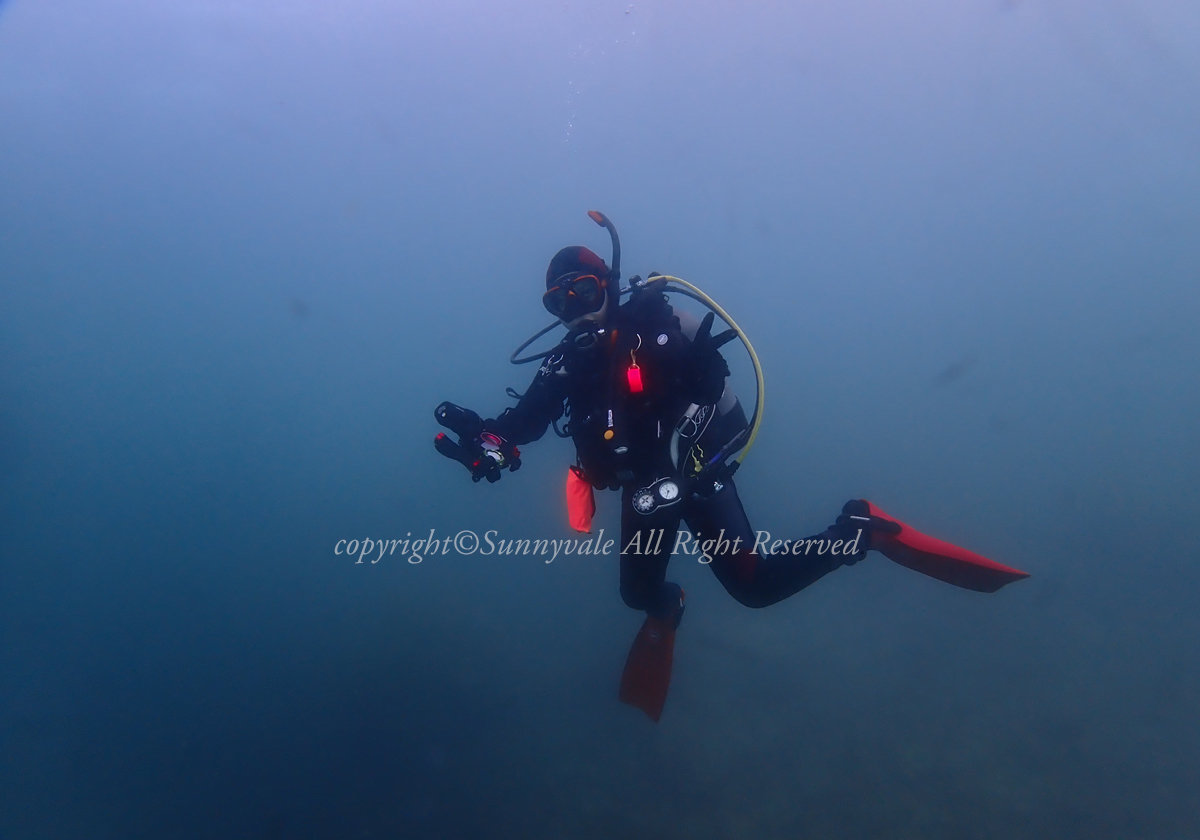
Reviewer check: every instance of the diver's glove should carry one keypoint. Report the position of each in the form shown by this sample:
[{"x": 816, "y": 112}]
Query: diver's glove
[
  {"x": 704, "y": 368},
  {"x": 482, "y": 452}
]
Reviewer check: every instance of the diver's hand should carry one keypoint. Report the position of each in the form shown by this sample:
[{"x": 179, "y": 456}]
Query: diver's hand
[
  {"x": 484, "y": 457},
  {"x": 705, "y": 368},
  {"x": 484, "y": 453}
]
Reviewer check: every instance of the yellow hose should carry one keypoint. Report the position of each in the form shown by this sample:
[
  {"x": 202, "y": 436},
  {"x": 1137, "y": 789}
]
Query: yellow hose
[{"x": 758, "y": 374}]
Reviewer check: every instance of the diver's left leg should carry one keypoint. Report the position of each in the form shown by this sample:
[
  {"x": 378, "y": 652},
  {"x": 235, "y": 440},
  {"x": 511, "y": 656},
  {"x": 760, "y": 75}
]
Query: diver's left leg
[
  {"x": 759, "y": 579},
  {"x": 646, "y": 541}
]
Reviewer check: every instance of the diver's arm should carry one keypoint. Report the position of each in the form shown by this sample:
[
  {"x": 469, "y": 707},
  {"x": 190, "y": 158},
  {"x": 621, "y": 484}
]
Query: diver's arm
[
  {"x": 541, "y": 405},
  {"x": 487, "y": 447}
]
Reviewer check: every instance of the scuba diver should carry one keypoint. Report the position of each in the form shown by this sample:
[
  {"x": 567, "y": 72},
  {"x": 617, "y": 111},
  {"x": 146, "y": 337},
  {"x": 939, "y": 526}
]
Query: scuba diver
[{"x": 644, "y": 389}]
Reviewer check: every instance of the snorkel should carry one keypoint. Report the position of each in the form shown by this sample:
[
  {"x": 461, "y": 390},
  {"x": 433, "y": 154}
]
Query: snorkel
[{"x": 614, "y": 273}]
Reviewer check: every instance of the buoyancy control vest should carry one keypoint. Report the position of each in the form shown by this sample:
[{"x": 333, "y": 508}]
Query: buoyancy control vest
[{"x": 624, "y": 392}]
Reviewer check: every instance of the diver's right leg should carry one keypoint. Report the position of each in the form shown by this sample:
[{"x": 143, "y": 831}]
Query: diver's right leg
[
  {"x": 646, "y": 541},
  {"x": 759, "y": 580}
]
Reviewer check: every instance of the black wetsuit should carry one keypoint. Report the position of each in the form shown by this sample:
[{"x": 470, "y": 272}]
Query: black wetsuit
[{"x": 586, "y": 377}]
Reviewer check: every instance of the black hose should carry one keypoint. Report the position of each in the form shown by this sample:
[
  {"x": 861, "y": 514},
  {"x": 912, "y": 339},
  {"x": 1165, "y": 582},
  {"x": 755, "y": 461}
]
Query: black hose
[{"x": 527, "y": 359}]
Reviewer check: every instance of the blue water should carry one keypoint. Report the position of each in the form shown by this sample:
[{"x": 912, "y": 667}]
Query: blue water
[{"x": 245, "y": 249}]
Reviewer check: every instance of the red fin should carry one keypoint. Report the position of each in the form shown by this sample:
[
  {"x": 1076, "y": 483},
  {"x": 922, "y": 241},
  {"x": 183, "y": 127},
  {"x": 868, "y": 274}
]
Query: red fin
[
  {"x": 647, "y": 673},
  {"x": 942, "y": 560}
]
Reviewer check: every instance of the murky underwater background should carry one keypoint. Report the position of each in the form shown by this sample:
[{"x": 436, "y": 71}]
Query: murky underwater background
[{"x": 245, "y": 249}]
